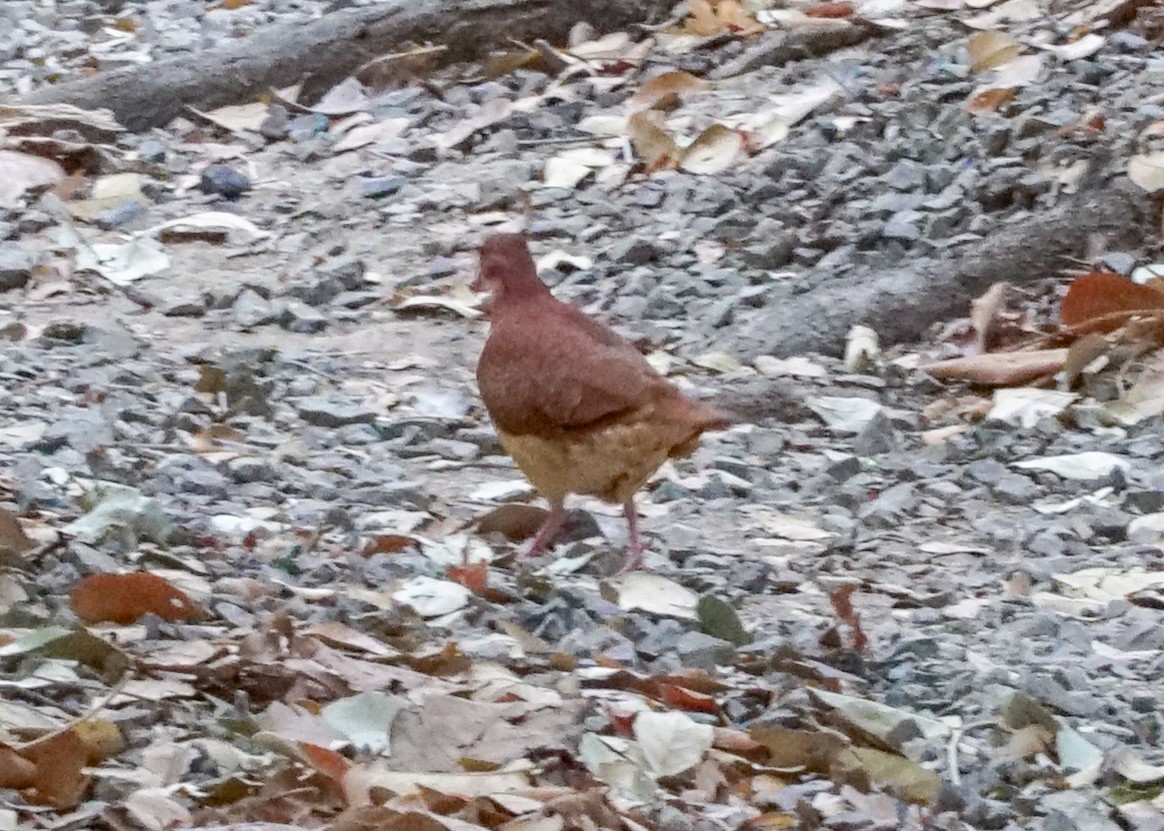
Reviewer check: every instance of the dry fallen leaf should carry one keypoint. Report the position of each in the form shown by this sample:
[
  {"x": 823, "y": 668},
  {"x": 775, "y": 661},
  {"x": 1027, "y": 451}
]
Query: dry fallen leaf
[
  {"x": 1000, "y": 368},
  {"x": 59, "y": 780},
  {"x": 123, "y": 598},
  {"x": 1102, "y": 294},
  {"x": 984, "y": 312},
  {"x": 22, "y": 172},
  {"x": 715, "y": 150},
  {"x": 652, "y": 143},
  {"x": 989, "y": 50},
  {"x": 669, "y": 85},
  {"x": 988, "y": 101},
  {"x": 1147, "y": 171}
]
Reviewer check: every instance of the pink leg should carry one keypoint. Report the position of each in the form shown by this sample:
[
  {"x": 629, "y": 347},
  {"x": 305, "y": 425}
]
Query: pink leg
[
  {"x": 634, "y": 546},
  {"x": 549, "y": 529}
]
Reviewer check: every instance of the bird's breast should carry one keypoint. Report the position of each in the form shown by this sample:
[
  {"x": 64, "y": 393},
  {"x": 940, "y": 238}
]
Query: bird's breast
[{"x": 611, "y": 462}]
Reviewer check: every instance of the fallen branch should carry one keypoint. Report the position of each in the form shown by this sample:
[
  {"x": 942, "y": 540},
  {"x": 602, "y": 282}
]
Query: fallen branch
[
  {"x": 782, "y": 46},
  {"x": 322, "y": 52},
  {"x": 901, "y": 304}
]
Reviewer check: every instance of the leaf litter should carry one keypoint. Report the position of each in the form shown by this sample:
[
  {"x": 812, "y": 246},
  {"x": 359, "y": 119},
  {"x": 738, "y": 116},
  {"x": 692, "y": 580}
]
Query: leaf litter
[{"x": 494, "y": 738}]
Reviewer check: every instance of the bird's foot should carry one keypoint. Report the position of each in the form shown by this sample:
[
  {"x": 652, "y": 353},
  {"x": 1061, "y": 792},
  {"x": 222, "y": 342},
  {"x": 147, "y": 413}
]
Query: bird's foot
[
  {"x": 545, "y": 535},
  {"x": 634, "y": 558}
]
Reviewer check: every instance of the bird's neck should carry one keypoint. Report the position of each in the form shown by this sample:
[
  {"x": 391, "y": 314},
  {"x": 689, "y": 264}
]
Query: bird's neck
[{"x": 522, "y": 295}]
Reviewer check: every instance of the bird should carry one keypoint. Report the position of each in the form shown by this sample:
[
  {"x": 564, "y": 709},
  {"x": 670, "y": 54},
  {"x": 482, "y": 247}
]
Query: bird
[{"x": 575, "y": 405}]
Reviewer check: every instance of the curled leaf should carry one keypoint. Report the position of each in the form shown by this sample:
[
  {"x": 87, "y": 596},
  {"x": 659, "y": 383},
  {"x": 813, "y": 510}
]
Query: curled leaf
[
  {"x": 669, "y": 85},
  {"x": 653, "y": 144},
  {"x": 715, "y": 150},
  {"x": 1100, "y": 294}
]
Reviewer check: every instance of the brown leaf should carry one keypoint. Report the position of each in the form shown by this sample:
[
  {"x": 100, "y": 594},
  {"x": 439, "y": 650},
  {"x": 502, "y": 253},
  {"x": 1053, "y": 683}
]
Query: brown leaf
[
  {"x": 669, "y": 84},
  {"x": 984, "y": 314},
  {"x": 1081, "y": 354},
  {"x": 988, "y": 101},
  {"x": 513, "y": 521},
  {"x": 733, "y": 18},
  {"x": 678, "y": 698},
  {"x": 13, "y": 541},
  {"x": 15, "y": 770},
  {"x": 328, "y": 762},
  {"x": 124, "y": 598},
  {"x": 715, "y": 150},
  {"x": 703, "y": 20},
  {"x": 830, "y": 10},
  {"x": 990, "y": 50},
  {"x": 651, "y": 142},
  {"x": 59, "y": 759},
  {"x": 102, "y": 739},
  {"x": 842, "y": 602},
  {"x": 388, "y": 544},
  {"x": 1000, "y": 369},
  {"x": 474, "y": 577},
  {"x": 1101, "y": 294}
]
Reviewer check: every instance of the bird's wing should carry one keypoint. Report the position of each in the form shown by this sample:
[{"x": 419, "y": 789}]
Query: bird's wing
[{"x": 569, "y": 374}]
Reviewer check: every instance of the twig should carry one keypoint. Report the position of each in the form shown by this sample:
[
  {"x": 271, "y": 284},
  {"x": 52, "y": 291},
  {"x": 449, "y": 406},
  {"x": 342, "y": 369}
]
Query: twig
[
  {"x": 97, "y": 707},
  {"x": 555, "y": 140},
  {"x": 952, "y": 748}
]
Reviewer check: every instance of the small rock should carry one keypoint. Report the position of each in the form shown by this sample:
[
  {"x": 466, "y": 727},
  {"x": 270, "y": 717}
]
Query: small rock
[
  {"x": 1121, "y": 262},
  {"x": 248, "y": 469},
  {"x": 16, "y": 264},
  {"x": 276, "y": 125},
  {"x": 772, "y": 253},
  {"x": 151, "y": 151},
  {"x": 356, "y": 299},
  {"x": 703, "y": 651},
  {"x": 379, "y": 186},
  {"x": 900, "y": 226},
  {"x": 224, "y": 181},
  {"x": 634, "y": 251},
  {"x": 876, "y": 437},
  {"x": 462, "y": 451},
  {"x": 1015, "y": 489},
  {"x": 179, "y": 306},
  {"x": 331, "y": 412},
  {"x": 299, "y": 317},
  {"x": 252, "y": 309}
]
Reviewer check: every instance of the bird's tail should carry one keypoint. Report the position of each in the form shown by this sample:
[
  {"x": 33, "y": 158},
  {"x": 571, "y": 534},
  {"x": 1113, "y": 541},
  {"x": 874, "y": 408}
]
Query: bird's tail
[{"x": 710, "y": 417}]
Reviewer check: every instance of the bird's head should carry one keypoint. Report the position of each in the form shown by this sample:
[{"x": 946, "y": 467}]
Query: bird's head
[{"x": 506, "y": 269}]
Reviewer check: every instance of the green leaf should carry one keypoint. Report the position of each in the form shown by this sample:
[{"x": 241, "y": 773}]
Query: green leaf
[{"x": 719, "y": 619}]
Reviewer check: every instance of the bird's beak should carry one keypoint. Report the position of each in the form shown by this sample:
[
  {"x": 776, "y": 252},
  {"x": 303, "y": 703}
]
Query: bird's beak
[{"x": 478, "y": 284}]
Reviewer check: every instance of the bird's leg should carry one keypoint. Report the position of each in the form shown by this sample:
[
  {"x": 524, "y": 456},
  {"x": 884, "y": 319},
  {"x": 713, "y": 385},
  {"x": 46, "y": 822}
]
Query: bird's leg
[
  {"x": 634, "y": 559},
  {"x": 549, "y": 529}
]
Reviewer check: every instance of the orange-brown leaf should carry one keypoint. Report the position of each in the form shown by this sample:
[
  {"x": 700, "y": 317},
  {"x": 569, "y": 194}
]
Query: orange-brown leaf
[
  {"x": 1000, "y": 369},
  {"x": 830, "y": 10},
  {"x": 473, "y": 577},
  {"x": 59, "y": 760},
  {"x": 678, "y": 698},
  {"x": 328, "y": 762},
  {"x": 989, "y": 100},
  {"x": 703, "y": 20},
  {"x": 735, "y": 19},
  {"x": 1102, "y": 293},
  {"x": 651, "y": 142},
  {"x": 670, "y": 84},
  {"x": 124, "y": 598},
  {"x": 15, "y": 770}
]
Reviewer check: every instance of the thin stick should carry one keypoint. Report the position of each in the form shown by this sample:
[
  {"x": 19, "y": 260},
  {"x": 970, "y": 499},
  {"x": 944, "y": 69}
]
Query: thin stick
[
  {"x": 952, "y": 747},
  {"x": 97, "y": 707}
]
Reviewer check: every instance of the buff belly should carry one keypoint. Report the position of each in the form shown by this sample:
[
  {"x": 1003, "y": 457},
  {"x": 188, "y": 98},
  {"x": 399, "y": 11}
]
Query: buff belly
[{"x": 611, "y": 463}]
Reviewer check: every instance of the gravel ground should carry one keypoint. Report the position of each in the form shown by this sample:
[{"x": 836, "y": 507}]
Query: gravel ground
[{"x": 280, "y": 411}]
